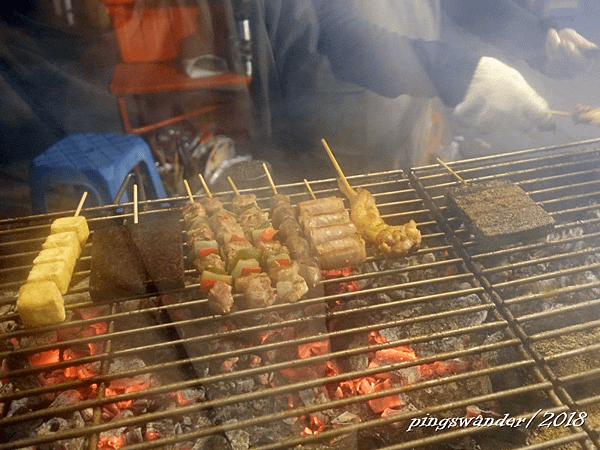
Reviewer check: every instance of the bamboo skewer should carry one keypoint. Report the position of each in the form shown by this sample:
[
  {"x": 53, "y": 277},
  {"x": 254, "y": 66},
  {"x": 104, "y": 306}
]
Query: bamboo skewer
[
  {"x": 341, "y": 175},
  {"x": 205, "y": 186},
  {"x": 78, "y": 210},
  {"x": 447, "y": 167},
  {"x": 273, "y": 187},
  {"x": 189, "y": 191},
  {"x": 235, "y": 189},
  {"x": 135, "y": 204},
  {"x": 310, "y": 191},
  {"x": 560, "y": 113}
]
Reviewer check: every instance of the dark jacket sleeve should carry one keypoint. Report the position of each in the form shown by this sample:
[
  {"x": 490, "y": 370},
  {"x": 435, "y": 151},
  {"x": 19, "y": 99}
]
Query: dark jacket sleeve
[
  {"x": 388, "y": 63},
  {"x": 508, "y": 24}
]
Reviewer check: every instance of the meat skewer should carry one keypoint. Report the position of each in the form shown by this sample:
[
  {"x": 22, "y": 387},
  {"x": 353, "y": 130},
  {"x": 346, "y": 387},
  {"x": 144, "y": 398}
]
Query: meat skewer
[
  {"x": 333, "y": 237},
  {"x": 256, "y": 285},
  {"x": 284, "y": 219},
  {"x": 388, "y": 239},
  {"x": 210, "y": 203},
  {"x": 207, "y": 260}
]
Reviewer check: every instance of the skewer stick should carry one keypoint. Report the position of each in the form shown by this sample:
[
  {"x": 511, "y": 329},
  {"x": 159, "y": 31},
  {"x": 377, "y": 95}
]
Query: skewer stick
[
  {"x": 235, "y": 189},
  {"x": 189, "y": 191},
  {"x": 266, "y": 169},
  {"x": 135, "y": 204},
  {"x": 83, "y": 197},
  {"x": 560, "y": 113},
  {"x": 310, "y": 191},
  {"x": 447, "y": 167},
  {"x": 204, "y": 185},
  {"x": 337, "y": 167}
]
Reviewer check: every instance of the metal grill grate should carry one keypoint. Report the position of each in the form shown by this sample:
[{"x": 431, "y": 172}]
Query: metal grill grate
[{"x": 449, "y": 332}]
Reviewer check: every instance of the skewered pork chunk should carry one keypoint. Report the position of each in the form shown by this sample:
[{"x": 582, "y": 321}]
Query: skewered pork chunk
[
  {"x": 298, "y": 247},
  {"x": 280, "y": 199},
  {"x": 212, "y": 260},
  {"x": 309, "y": 269},
  {"x": 201, "y": 230},
  {"x": 288, "y": 228},
  {"x": 252, "y": 217},
  {"x": 271, "y": 246},
  {"x": 192, "y": 211},
  {"x": 212, "y": 205},
  {"x": 234, "y": 246},
  {"x": 220, "y": 298},
  {"x": 242, "y": 201},
  {"x": 281, "y": 214},
  {"x": 225, "y": 225},
  {"x": 257, "y": 290},
  {"x": 291, "y": 287}
]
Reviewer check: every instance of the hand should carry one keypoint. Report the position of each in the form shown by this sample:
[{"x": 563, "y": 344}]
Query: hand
[
  {"x": 563, "y": 52},
  {"x": 499, "y": 98}
]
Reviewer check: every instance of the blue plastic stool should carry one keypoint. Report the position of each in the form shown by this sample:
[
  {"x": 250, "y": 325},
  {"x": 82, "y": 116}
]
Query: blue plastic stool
[{"x": 97, "y": 162}]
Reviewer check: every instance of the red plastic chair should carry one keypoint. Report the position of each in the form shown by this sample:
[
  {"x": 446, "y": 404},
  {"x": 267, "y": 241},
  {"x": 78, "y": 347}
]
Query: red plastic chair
[{"x": 149, "y": 39}]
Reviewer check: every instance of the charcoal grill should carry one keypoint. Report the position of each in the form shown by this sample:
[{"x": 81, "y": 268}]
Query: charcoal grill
[{"x": 512, "y": 333}]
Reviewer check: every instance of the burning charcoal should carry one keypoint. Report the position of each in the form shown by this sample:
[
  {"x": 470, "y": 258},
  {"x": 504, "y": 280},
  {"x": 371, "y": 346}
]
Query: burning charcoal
[
  {"x": 159, "y": 429},
  {"x": 498, "y": 213},
  {"x": 239, "y": 439},
  {"x": 58, "y": 425},
  {"x": 189, "y": 396},
  {"x": 66, "y": 398}
]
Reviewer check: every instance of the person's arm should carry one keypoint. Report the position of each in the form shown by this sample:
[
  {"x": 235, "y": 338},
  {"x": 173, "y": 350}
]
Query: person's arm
[
  {"x": 504, "y": 23},
  {"x": 484, "y": 92},
  {"x": 388, "y": 63}
]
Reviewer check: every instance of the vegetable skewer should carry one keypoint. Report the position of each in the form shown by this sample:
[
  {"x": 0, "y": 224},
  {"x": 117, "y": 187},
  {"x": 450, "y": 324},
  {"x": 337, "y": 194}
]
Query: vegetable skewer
[{"x": 213, "y": 278}]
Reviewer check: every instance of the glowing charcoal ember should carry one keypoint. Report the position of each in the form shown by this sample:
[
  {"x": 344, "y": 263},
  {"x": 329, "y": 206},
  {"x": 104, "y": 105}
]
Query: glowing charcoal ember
[
  {"x": 77, "y": 224},
  {"x": 40, "y": 303},
  {"x": 55, "y": 271},
  {"x": 136, "y": 259}
]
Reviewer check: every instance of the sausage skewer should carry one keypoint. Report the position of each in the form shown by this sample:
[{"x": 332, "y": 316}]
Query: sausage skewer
[
  {"x": 333, "y": 237},
  {"x": 388, "y": 239},
  {"x": 284, "y": 215}
]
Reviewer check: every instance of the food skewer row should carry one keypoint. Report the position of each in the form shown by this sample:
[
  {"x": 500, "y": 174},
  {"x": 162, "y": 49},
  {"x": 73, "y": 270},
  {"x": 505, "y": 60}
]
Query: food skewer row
[
  {"x": 285, "y": 220},
  {"x": 206, "y": 253},
  {"x": 275, "y": 256},
  {"x": 234, "y": 249},
  {"x": 387, "y": 239},
  {"x": 331, "y": 234},
  {"x": 40, "y": 300}
]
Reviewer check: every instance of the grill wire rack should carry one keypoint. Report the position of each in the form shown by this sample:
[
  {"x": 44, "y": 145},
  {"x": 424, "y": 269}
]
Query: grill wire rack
[{"x": 366, "y": 362}]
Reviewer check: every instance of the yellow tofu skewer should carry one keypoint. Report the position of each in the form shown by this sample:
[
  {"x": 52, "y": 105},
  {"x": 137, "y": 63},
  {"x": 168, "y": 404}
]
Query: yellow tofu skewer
[{"x": 40, "y": 301}]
